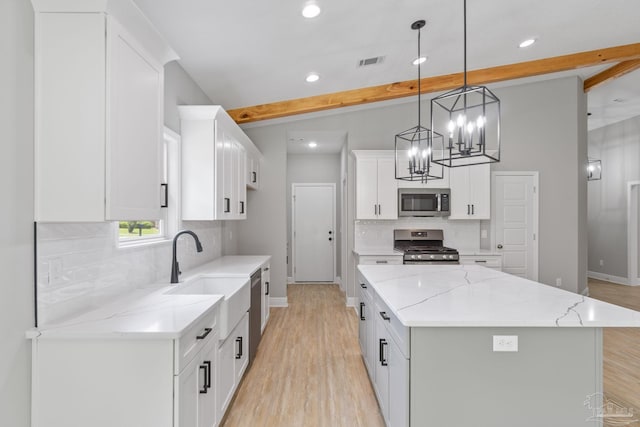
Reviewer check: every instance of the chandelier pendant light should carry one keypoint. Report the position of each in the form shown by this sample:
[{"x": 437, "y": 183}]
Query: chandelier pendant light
[
  {"x": 415, "y": 147},
  {"x": 469, "y": 117}
]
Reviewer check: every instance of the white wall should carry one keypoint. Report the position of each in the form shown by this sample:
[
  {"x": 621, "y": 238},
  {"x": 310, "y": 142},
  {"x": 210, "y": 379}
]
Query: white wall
[
  {"x": 16, "y": 212},
  {"x": 543, "y": 129},
  {"x": 313, "y": 168},
  {"x": 618, "y": 147}
]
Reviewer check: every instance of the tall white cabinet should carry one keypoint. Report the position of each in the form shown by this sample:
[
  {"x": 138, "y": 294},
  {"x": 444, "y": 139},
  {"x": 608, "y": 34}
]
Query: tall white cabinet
[
  {"x": 99, "y": 84},
  {"x": 214, "y": 164},
  {"x": 470, "y": 192},
  {"x": 376, "y": 186}
]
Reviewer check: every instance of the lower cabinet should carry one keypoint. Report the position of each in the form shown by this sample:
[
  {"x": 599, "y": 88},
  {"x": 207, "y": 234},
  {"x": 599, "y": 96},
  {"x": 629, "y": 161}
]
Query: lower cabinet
[
  {"x": 196, "y": 390},
  {"x": 266, "y": 290},
  {"x": 366, "y": 331},
  {"x": 233, "y": 358},
  {"x": 489, "y": 261}
]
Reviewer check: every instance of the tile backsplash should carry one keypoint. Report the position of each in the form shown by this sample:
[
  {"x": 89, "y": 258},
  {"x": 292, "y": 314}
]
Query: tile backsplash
[
  {"x": 378, "y": 235},
  {"x": 81, "y": 267}
]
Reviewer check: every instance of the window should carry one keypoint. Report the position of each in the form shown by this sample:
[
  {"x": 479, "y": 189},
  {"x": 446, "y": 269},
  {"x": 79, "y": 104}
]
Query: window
[{"x": 143, "y": 231}]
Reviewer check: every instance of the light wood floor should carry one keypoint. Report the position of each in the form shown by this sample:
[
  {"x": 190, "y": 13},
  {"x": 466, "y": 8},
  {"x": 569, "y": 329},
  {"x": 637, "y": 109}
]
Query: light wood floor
[
  {"x": 308, "y": 370},
  {"x": 621, "y": 348}
]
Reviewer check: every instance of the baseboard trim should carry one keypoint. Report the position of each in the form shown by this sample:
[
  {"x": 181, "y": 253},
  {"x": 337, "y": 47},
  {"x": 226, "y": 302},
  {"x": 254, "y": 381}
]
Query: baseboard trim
[
  {"x": 278, "y": 302},
  {"x": 610, "y": 278},
  {"x": 352, "y": 301}
]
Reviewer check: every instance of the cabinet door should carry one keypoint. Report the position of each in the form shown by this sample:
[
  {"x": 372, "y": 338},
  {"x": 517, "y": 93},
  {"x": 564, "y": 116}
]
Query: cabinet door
[
  {"x": 134, "y": 128},
  {"x": 228, "y": 191},
  {"x": 207, "y": 398},
  {"x": 241, "y": 356},
  {"x": 398, "y": 387},
  {"x": 266, "y": 290},
  {"x": 381, "y": 361},
  {"x": 241, "y": 183},
  {"x": 366, "y": 188},
  {"x": 226, "y": 374},
  {"x": 460, "y": 201},
  {"x": 480, "y": 191},
  {"x": 188, "y": 385},
  {"x": 363, "y": 314},
  {"x": 387, "y": 189}
]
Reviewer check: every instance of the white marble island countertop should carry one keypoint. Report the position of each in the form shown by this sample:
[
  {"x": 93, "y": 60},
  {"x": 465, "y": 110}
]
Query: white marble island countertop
[{"x": 470, "y": 295}]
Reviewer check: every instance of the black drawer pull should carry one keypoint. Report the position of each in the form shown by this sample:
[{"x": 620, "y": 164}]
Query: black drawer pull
[
  {"x": 227, "y": 205},
  {"x": 239, "y": 353},
  {"x": 241, "y": 207},
  {"x": 266, "y": 284},
  {"x": 382, "y": 262},
  {"x": 382, "y": 344},
  {"x": 207, "y": 331},
  {"x": 362, "y": 311},
  {"x": 207, "y": 376},
  {"x": 481, "y": 260},
  {"x": 385, "y": 316},
  {"x": 363, "y": 286}
]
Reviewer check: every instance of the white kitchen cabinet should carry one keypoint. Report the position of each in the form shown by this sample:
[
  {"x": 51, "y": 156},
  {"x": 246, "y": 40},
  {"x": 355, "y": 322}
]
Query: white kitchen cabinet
[
  {"x": 144, "y": 382},
  {"x": 232, "y": 363},
  {"x": 253, "y": 171},
  {"x": 266, "y": 290},
  {"x": 376, "y": 186},
  {"x": 493, "y": 261},
  {"x": 366, "y": 330},
  {"x": 214, "y": 151},
  {"x": 470, "y": 192},
  {"x": 379, "y": 259},
  {"x": 98, "y": 112}
]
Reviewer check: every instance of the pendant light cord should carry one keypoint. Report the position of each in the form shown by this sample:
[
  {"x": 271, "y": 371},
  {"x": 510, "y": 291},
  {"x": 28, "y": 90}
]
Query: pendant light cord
[
  {"x": 419, "y": 66},
  {"x": 465, "y": 41}
]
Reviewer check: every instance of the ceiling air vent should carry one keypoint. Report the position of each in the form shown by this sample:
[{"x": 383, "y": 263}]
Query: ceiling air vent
[{"x": 370, "y": 61}]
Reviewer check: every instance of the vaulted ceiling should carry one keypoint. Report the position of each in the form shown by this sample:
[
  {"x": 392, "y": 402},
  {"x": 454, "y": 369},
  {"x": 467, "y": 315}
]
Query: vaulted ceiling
[{"x": 256, "y": 54}]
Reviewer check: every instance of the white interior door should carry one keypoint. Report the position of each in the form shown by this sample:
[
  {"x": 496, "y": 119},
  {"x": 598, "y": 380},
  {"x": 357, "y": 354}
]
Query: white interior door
[
  {"x": 515, "y": 207},
  {"x": 314, "y": 233}
]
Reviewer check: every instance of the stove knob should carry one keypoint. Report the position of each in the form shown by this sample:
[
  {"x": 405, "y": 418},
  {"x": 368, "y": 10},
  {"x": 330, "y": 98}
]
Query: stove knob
[
  {"x": 432, "y": 256},
  {"x": 419, "y": 256},
  {"x": 413, "y": 257}
]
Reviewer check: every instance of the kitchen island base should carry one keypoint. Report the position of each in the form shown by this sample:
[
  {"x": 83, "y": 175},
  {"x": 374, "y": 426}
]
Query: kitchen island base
[{"x": 458, "y": 380}]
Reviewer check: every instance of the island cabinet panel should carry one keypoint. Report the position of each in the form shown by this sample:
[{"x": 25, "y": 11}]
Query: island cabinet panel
[{"x": 457, "y": 379}]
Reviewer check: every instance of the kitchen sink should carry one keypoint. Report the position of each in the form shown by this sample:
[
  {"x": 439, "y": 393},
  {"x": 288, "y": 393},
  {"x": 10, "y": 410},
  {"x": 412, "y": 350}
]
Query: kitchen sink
[{"x": 236, "y": 291}]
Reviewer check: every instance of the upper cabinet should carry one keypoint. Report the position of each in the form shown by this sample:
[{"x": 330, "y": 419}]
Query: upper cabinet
[
  {"x": 376, "y": 187},
  {"x": 214, "y": 164},
  {"x": 470, "y": 192},
  {"x": 99, "y": 84}
]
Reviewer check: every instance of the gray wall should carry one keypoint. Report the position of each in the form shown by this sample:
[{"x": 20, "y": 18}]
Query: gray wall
[
  {"x": 16, "y": 193},
  {"x": 618, "y": 147},
  {"x": 544, "y": 129},
  {"x": 313, "y": 168}
]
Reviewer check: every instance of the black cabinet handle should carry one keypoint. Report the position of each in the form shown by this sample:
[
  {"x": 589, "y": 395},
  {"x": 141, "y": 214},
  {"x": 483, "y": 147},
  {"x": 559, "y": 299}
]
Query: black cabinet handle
[
  {"x": 473, "y": 209},
  {"x": 267, "y": 286},
  {"x": 481, "y": 260},
  {"x": 384, "y": 316},
  {"x": 266, "y": 269},
  {"x": 362, "y": 311},
  {"x": 239, "y": 353},
  {"x": 165, "y": 203},
  {"x": 363, "y": 286},
  {"x": 207, "y": 377},
  {"x": 241, "y": 207},
  {"x": 207, "y": 331},
  {"x": 468, "y": 209},
  {"x": 382, "y": 344},
  {"x": 227, "y": 204},
  {"x": 254, "y": 178}
]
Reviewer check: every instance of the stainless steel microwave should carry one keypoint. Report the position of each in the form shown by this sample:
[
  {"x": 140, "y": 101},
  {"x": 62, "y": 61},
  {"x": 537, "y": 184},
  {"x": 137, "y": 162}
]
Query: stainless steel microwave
[{"x": 424, "y": 201}]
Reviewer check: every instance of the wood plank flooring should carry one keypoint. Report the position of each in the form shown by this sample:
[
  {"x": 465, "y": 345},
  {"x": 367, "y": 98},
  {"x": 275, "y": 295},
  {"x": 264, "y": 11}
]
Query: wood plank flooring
[
  {"x": 308, "y": 370},
  {"x": 621, "y": 349}
]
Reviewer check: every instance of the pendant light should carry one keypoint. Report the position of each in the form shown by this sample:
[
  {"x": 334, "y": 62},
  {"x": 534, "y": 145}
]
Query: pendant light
[
  {"x": 414, "y": 147},
  {"x": 469, "y": 118}
]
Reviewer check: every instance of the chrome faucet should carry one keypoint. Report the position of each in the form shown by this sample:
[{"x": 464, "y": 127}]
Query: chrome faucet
[{"x": 175, "y": 268}]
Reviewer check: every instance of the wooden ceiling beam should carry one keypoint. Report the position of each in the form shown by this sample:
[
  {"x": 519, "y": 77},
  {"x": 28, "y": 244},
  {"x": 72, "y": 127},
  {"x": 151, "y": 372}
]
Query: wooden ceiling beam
[
  {"x": 612, "y": 73},
  {"x": 626, "y": 53}
]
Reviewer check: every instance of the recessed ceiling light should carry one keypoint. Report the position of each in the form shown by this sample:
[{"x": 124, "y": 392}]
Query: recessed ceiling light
[
  {"x": 419, "y": 60},
  {"x": 527, "y": 43},
  {"x": 311, "y": 10},
  {"x": 312, "y": 77},
  {"x": 312, "y": 144}
]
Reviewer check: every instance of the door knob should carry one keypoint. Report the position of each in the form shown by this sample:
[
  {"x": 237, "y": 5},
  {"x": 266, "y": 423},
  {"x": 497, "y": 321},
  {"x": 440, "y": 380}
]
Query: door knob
[{"x": 500, "y": 246}]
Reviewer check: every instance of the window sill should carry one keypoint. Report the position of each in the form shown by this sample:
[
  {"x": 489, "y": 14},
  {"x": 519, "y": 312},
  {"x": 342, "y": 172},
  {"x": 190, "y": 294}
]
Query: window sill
[{"x": 143, "y": 243}]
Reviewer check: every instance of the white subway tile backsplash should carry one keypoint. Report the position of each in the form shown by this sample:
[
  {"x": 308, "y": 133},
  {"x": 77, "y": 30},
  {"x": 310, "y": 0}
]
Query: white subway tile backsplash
[{"x": 81, "y": 267}]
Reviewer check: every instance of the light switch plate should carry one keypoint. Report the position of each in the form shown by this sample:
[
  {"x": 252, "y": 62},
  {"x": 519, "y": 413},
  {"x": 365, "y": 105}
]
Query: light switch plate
[{"x": 505, "y": 343}]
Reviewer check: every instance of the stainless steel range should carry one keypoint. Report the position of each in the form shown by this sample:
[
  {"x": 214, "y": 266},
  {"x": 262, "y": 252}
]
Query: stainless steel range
[{"x": 423, "y": 247}]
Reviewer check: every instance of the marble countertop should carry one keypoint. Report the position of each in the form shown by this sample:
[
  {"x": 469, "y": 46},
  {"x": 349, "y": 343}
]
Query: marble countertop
[
  {"x": 150, "y": 313},
  {"x": 470, "y": 295}
]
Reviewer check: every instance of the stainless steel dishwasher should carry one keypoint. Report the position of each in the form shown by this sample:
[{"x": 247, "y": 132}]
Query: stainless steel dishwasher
[{"x": 255, "y": 314}]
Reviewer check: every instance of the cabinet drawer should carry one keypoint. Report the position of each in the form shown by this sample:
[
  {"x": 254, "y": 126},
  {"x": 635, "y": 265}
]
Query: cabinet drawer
[
  {"x": 365, "y": 289},
  {"x": 188, "y": 345},
  {"x": 395, "y": 328},
  {"x": 380, "y": 260},
  {"x": 490, "y": 261}
]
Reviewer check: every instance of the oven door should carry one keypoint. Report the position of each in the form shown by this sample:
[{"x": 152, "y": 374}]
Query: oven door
[{"x": 414, "y": 203}]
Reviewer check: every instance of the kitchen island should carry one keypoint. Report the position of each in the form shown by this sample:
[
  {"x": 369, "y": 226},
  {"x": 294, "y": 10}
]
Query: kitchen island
[{"x": 463, "y": 345}]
